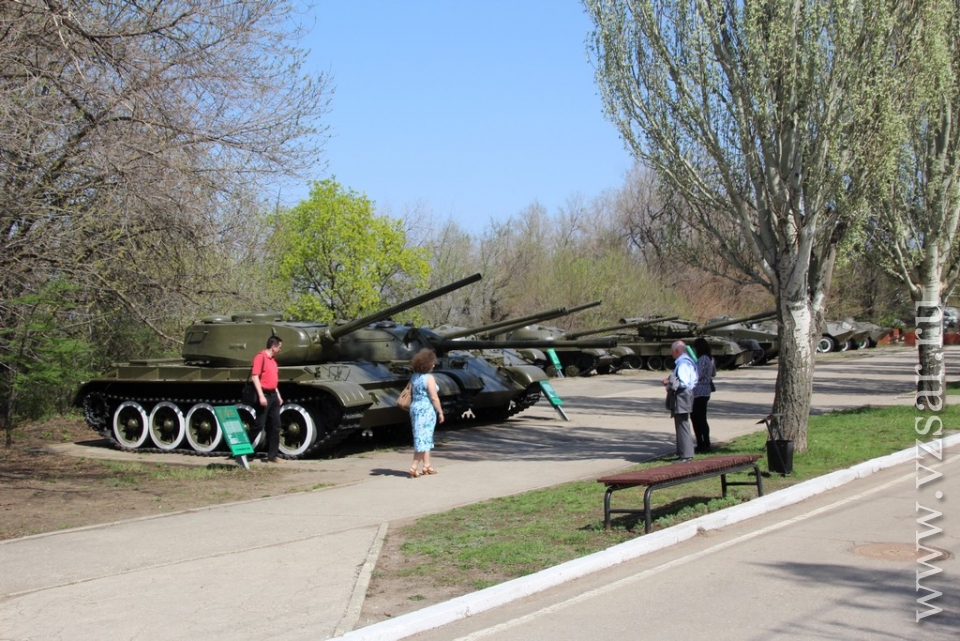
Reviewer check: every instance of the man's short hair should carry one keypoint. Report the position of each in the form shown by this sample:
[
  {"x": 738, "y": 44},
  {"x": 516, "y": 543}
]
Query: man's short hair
[{"x": 273, "y": 341}]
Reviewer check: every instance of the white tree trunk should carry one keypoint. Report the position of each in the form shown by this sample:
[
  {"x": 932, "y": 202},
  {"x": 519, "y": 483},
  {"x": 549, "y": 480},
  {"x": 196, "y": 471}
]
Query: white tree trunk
[
  {"x": 930, "y": 371},
  {"x": 795, "y": 363}
]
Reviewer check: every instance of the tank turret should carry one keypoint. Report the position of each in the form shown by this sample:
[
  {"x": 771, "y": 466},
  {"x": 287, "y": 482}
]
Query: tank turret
[
  {"x": 622, "y": 325},
  {"x": 720, "y": 323}
]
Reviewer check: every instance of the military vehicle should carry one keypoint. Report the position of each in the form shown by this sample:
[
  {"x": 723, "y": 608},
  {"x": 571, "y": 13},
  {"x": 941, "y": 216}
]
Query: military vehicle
[
  {"x": 580, "y": 360},
  {"x": 748, "y": 328},
  {"x": 875, "y": 333},
  {"x": 839, "y": 336},
  {"x": 335, "y": 379},
  {"x": 504, "y": 356},
  {"x": 659, "y": 335},
  {"x": 635, "y": 354}
]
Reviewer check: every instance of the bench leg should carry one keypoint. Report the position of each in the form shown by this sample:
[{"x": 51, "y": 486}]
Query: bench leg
[
  {"x": 606, "y": 508},
  {"x": 647, "y": 519}
]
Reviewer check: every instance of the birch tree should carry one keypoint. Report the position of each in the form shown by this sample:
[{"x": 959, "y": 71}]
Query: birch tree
[
  {"x": 918, "y": 209},
  {"x": 756, "y": 116}
]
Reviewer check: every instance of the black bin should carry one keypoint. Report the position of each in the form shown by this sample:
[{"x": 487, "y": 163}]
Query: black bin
[{"x": 780, "y": 456}]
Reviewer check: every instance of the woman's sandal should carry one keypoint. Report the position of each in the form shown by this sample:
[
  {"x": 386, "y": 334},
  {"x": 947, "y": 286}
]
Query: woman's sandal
[
  {"x": 413, "y": 473},
  {"x": 429, "y": 470}
]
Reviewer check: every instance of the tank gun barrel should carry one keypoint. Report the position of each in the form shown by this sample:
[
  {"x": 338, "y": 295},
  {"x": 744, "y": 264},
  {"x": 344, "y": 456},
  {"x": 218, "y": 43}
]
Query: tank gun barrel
[
  {"x": 734, "y": 321},
  {"x": 580, "y": 308},
  {"x": 341, "y": 330},
  {"x": 451, "y": 345},
  {"x": 640, "y": 321},
  {"x": 501, "y": 327},
  {"x": 619, "y": 326}
]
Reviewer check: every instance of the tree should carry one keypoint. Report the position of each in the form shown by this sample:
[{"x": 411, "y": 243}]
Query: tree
[
  {"x": 918, "y": 209},
  {"x": 341, "y": 260},
  {"x": 754, "y": 115},
  {"x": 127, "y": 131}
]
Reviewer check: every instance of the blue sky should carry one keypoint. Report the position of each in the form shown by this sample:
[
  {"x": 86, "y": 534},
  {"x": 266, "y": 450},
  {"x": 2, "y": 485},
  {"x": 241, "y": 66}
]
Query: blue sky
[{"x": 469, "y": 109}]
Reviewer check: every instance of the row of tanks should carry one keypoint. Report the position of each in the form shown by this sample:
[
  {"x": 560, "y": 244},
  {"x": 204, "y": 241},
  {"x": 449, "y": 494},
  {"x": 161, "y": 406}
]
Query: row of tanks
[
  {"x": 336, "y": 380},
  {"x": 342, "y": 378}
]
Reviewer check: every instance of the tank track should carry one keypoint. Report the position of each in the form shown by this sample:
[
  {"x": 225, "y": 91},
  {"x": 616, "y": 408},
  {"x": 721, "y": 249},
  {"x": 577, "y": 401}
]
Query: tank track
[{"x": 99, "y": 421}]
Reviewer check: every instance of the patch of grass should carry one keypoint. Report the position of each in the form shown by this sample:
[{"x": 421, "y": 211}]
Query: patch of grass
[{"x": 504, "y": 538}]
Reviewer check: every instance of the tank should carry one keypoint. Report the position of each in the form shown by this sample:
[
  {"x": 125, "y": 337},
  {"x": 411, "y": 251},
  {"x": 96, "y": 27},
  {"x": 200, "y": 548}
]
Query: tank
[
  {"x": 167, "y": 405},
  {"x": 748, "y": 331},
  {"x": 578, "y": 359},
  {"x": 336, "y": 380},
  {"x": 657, "y": 335},
  {"x": 505, "y": 356}
]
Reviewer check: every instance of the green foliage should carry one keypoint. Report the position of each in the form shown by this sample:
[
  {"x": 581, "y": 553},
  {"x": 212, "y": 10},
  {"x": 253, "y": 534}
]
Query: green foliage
[
  {"x": 340, "y": 259},
  {"x": 43, "y": 354}
]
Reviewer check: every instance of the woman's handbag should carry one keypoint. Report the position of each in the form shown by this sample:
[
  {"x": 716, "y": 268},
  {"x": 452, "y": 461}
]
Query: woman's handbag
[{"x": 406, "y": 397}]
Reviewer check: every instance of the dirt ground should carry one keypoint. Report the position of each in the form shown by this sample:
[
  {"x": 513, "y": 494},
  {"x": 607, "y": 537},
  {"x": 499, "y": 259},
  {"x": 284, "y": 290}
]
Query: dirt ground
[{"x": 42, "y": 490}]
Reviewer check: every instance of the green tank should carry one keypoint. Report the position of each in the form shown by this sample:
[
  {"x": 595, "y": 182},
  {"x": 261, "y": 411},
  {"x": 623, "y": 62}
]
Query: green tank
[
  {"x": 576, "y": 358},
  {"x": 335, "y": 379},
  {"x": 657, "y": 336},
  {"x": 749, "y": 331}
]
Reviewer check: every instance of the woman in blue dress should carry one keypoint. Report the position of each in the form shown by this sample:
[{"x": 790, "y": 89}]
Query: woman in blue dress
[{"x": 425, "y": 410}]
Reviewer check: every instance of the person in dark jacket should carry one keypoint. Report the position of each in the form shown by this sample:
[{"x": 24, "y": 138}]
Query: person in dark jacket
[{"x": 706, "y": 370}]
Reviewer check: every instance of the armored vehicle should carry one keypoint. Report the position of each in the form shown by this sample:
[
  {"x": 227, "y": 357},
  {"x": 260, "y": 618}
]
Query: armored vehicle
[
  {"x": 635, "y": 353},
  {"x": 839, "y": 336},
  {"x": 576, "y": 358},
  {"x": 659, "y": 334},
  {"x": 335, "y": 379},
  {"x": 746, "y": 331}
]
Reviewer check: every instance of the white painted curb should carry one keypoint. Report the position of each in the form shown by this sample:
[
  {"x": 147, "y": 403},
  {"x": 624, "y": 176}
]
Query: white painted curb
[{"x": 467, "y": 605}]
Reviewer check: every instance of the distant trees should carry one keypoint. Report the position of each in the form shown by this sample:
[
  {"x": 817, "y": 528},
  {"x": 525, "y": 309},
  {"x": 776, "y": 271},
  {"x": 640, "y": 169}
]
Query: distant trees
[
  {"x": 757, "y": 118},
  {"x": 132, "y": 135},
  {"x": 339, "y": 260}
]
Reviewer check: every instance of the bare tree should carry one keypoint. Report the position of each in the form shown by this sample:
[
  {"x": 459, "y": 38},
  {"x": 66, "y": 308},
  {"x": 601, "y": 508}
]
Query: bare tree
[
  {"x": 127, "y": 130},
  {"x": 754, "y": 116}
]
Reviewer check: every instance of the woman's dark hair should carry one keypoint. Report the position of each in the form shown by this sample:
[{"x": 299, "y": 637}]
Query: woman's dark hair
[
  {"x": 424, "y": 360},
  {"x": 702, "y": 347}
]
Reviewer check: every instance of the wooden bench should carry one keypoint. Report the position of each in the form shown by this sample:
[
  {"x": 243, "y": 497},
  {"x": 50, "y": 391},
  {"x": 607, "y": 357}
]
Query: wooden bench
[{"x": 676, "y": 474}]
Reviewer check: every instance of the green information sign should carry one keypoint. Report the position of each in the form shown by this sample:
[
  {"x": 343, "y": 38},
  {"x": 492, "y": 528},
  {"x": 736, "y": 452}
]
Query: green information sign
[
  {"x": 556, "y": 361},
  {"x": 555, "y": 400},
  {"x": 233, "y": 430},
  {"x": 551, "y": 393}
]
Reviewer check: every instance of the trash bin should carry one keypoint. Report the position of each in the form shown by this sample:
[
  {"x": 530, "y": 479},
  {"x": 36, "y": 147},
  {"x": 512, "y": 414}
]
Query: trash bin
[{"x": 780, "y": 456}]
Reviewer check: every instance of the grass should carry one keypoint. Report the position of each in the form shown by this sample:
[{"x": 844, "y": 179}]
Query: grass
[{"x": 487, "y": 543}]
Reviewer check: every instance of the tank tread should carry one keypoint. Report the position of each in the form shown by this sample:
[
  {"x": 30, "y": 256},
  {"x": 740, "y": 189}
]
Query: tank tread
[{"x": 99, "y": 421}]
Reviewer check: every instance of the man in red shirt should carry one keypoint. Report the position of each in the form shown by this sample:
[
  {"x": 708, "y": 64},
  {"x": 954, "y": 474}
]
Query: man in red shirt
[{"x": 266, "y": 376}]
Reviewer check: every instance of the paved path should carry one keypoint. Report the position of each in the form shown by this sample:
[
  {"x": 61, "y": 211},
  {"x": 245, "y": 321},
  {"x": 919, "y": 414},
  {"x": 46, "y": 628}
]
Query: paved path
[{"x": 286, "y": 567}]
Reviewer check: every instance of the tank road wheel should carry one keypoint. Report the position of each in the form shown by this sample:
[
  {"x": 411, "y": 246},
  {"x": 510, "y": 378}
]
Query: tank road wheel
[
  {"x": 826, "y": 344},
  {"x": 248, "y": 416},
  {"x": 634, "y": 362},
  {"x": 551, "y": 371},
  {"x": 203, "y": 428},
  {"x": 166, "y": 426},
  {"x": 669, "y": 363},
  {"x": 130, "y": 425},
  {"x": 571, "y": 371},
  {"x": 297, "y": 430},
  {"x": 654, "y": 363}
]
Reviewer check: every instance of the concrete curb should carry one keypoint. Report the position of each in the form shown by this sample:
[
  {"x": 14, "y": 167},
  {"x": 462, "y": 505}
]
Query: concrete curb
[
  {"x": 470, "y": 604},
  {"x": 352, "y": 614}
]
